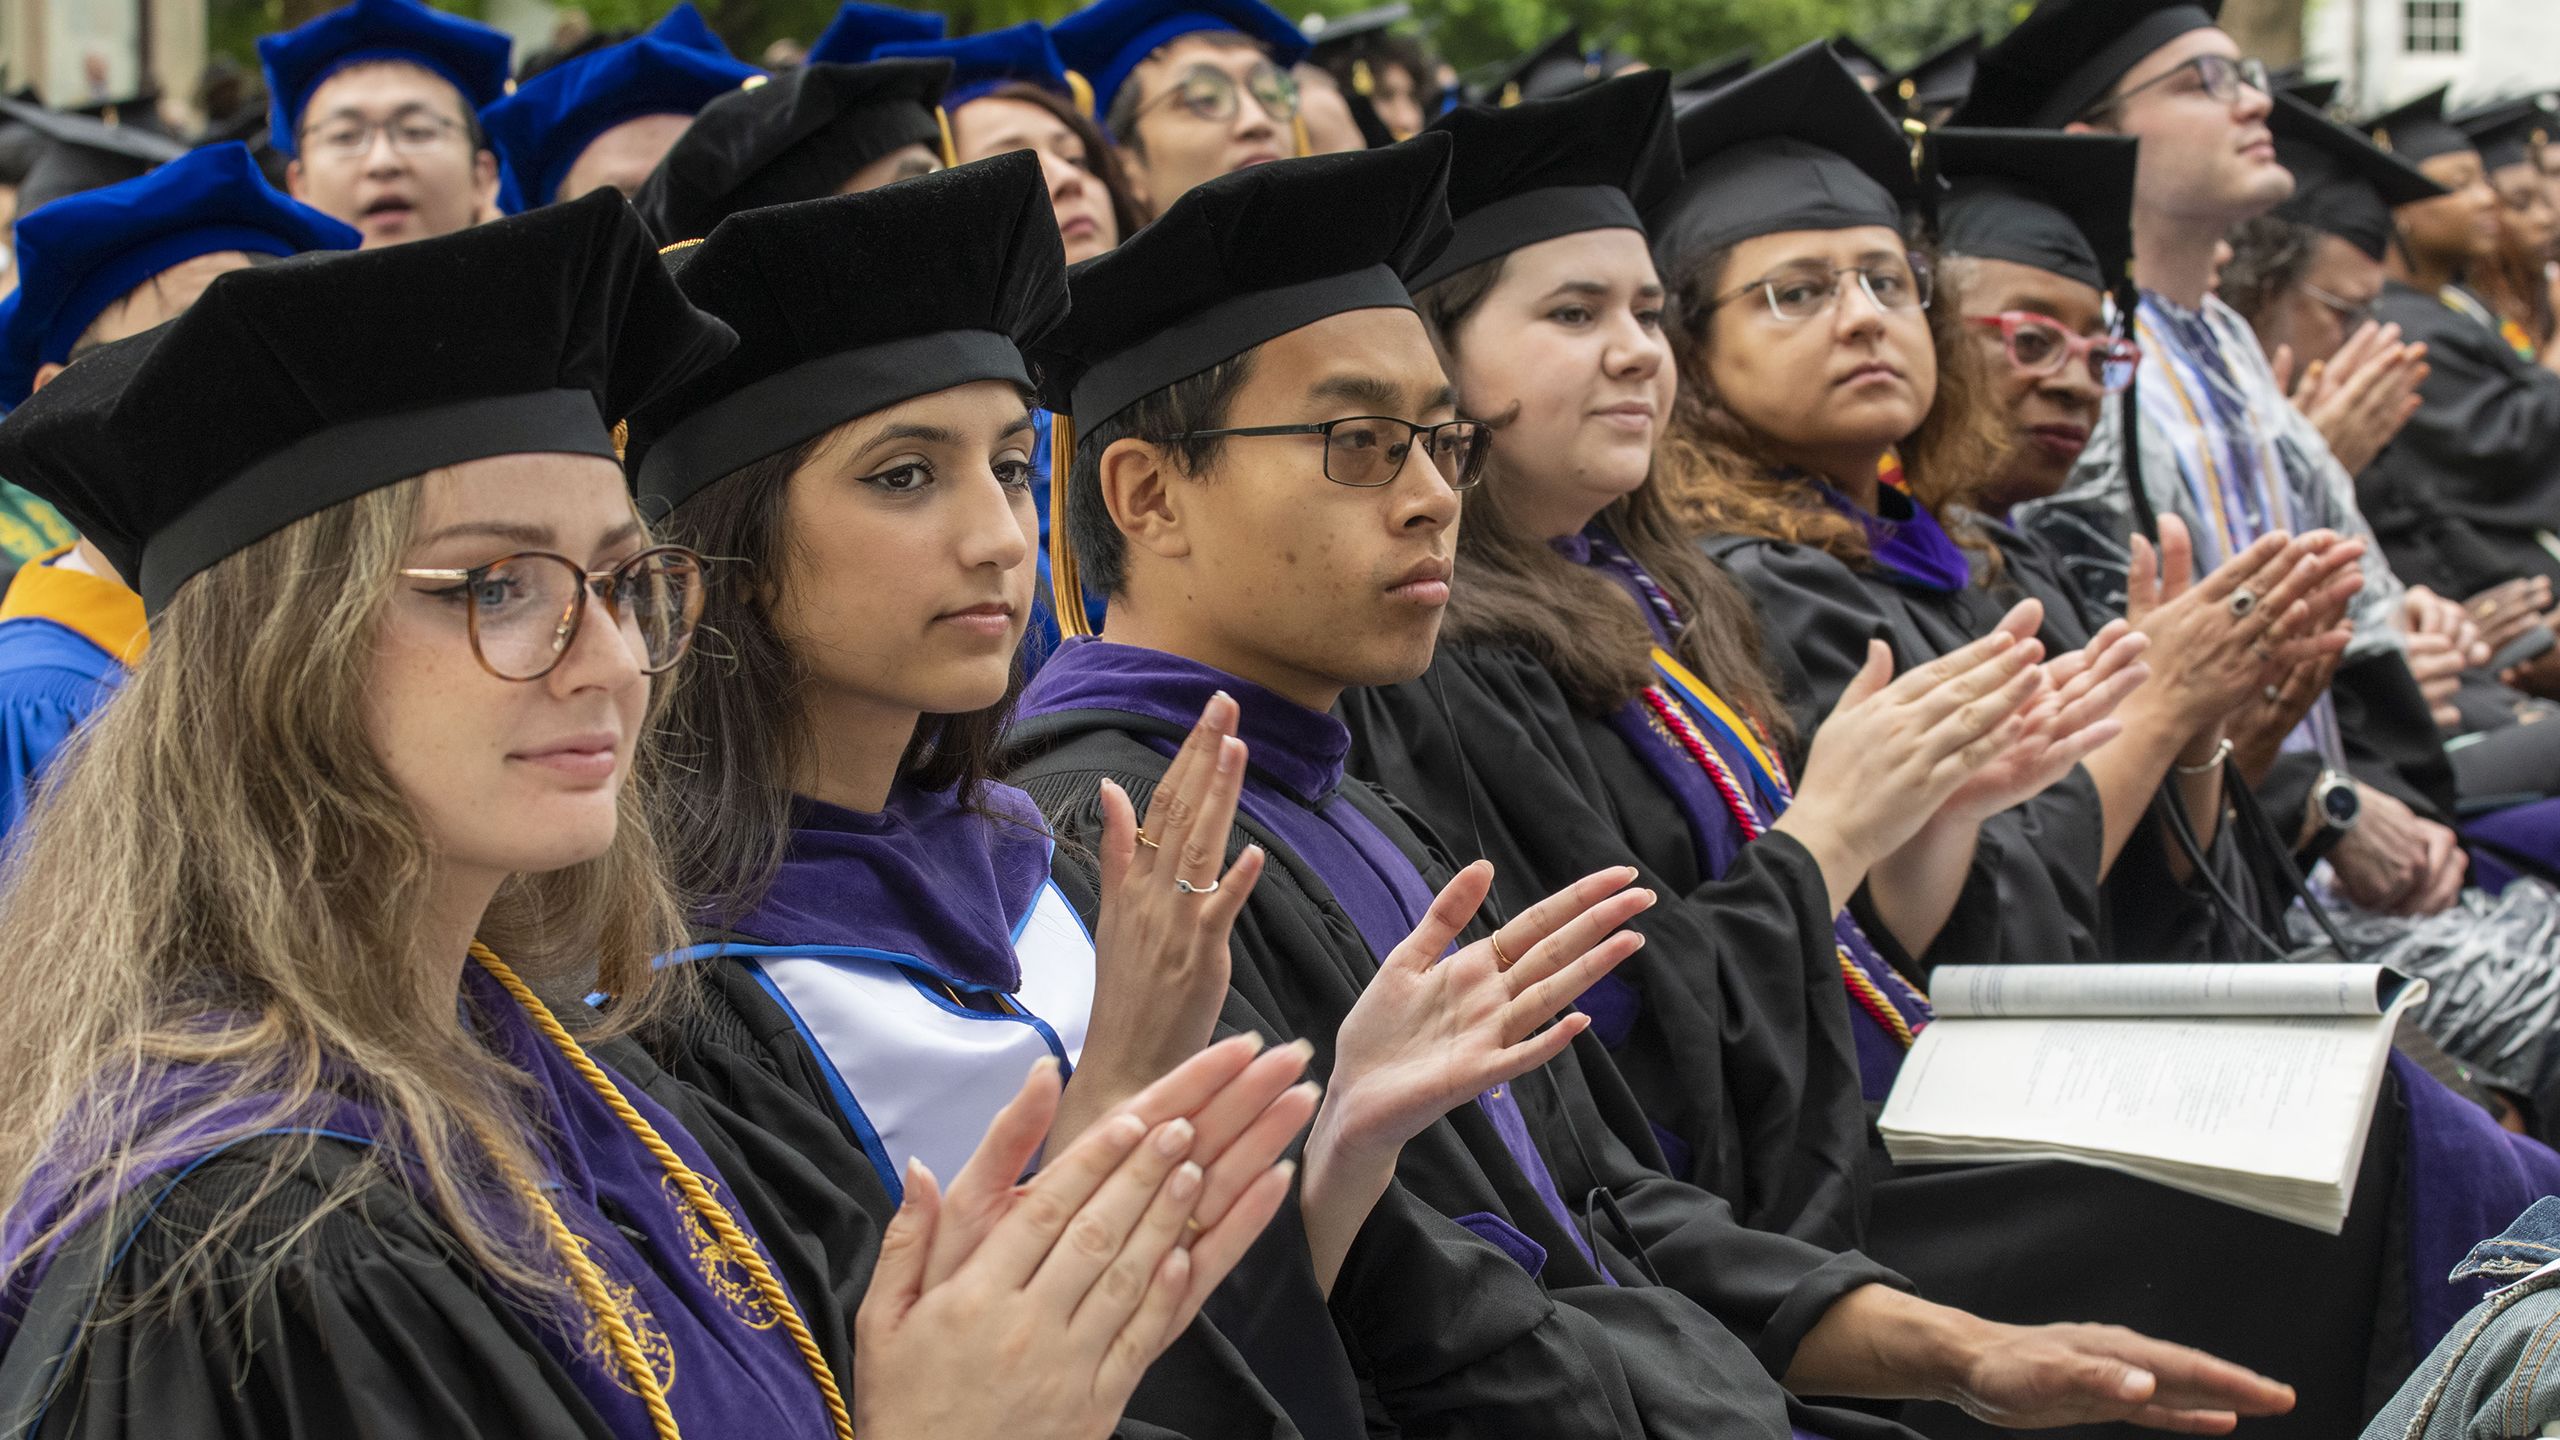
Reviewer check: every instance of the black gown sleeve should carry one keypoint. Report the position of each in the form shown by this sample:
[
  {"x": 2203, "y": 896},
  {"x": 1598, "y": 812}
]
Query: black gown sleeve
[
  {"x": 734, "y": 1069},
  {"x": 2486, "y": 438},
  {"x": 1452, "y": 1336},
  {"x": 368, "y": 1324},
  {"x": 2390, "y": 735},
  {"x": 2031, "y": 896},
  {"x": 1739, "y": 1048}
]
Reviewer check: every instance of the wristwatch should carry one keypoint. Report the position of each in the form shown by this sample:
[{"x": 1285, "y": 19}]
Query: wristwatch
[{"x": 2334, "y": 807}]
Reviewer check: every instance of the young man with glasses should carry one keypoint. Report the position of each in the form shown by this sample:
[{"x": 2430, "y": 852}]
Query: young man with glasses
[
  {"x": 2221, "y": 445},
  {"x": 377, "y": 106},
  {"x": 1267, "y": 486},
  {"x": 2360, "y": 778},
  {"x": 1188, "y": 89}
]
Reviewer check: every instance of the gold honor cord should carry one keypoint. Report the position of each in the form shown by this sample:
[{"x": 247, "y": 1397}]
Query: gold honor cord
[
  {"x": 1066, "y": 578},
  {"x": 714, "y": 1215}
]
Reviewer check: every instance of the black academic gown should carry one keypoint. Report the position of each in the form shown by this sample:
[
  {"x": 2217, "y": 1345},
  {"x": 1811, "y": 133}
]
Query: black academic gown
[
  {"x": 1549, "y": 794},
  {"x": 1740, "y": 1046},
  {"x": 368, "y": 1324},
  {"x": 1453, "y": 1335},
  {"x": 2033, "y": 895},
  {"x": 735, "y": 1069},
  {"x": 2476, "y": 472}
]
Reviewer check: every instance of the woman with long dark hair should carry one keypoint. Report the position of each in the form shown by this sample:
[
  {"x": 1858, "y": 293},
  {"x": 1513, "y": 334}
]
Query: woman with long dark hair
[
  {"x": 1835, "y": 434},
  {"x": 890, "y": 934}
]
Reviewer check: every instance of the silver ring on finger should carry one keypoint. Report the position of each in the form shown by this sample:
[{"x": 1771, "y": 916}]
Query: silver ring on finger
[
  {"x": 1187, "y": 888},
  {"x": 2243, "y": 602},
  {"x": 2274, "y": 695}
]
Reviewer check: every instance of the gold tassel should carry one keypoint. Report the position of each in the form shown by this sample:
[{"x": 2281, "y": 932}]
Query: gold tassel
[
  {"x": 1080, "y": 90},
  {"x": 1298, "y": 133},
  {"x": 950, "y": 153},
  {"x": 1066, "y": 580}
]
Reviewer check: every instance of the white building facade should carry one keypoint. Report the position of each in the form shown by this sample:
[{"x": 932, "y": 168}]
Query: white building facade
[{"x": 2387, "y": 51}]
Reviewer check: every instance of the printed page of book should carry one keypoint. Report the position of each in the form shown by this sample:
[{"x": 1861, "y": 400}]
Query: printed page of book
[{"x": 2281, "y": 1097}]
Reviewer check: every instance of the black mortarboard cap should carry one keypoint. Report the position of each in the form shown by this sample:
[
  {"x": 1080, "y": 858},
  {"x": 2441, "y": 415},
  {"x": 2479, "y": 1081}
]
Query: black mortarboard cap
[
  {"x": 1242, "y": 259},
  {"x": 1938, "y": 80},
  {"x": 1713, "y": 75},
  {"x": 20, "y": 144},
  {"x": 342, "y": 372},
  {"x": 1545, "y": 168},
  {"x": 2342, "y": 184},
  {"x": 1864, "y": 65},
  {"x": 847, "y": 306},
  {"x": 1557, "y": 67},
  {"x": 1795, "y": 146},
  {"x": 2064, "y": 57},
  {"x": 2510, "y": 132},
  {"x": 2061, "y": 203},
  {"x": 1237, "y": 261},
  {"x": 2417, "y": 131},
  {"x": 140, "y": 110},
  {"x": 2295, "y": 81},
  {"x": 83, "y": 153},
  {"x": 1329, "y": 38},
  {"x": 1372, "y": 126},
  {"x": 798, "y": 136}
]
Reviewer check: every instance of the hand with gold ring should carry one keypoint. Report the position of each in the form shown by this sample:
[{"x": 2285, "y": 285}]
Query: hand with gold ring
[
  {"x": 1169, "y": 900},
  {"x": 1433, "y": 1029}
]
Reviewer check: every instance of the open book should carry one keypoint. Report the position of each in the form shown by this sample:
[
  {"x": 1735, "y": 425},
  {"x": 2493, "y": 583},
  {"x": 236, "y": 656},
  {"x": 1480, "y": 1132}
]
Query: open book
[{"x": 2250, "y": 1084}]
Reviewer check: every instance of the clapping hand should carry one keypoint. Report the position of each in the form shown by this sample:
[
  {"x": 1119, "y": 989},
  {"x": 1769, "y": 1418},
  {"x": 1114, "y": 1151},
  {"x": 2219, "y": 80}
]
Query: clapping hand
[
  {"x": 1160, "y": 949},
  {"x": 1004, "y": 1310},
  {"x": 1433, "y": 1029}
]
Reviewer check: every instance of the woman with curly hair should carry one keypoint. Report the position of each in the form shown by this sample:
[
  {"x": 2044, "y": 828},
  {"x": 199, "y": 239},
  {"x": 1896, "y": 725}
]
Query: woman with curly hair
[{"x": 1834, "y": 437}]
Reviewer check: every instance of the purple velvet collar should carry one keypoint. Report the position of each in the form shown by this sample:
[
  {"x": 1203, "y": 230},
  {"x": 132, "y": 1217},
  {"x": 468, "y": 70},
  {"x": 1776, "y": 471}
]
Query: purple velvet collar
[
  {"x": 1298, "y": 749},
  {"x": 1906, "y": 540},
  {"x": 926, "y": 879}
]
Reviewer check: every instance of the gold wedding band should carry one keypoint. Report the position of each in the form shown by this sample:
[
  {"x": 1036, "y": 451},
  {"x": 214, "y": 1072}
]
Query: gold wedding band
[
  {"x": 1502, "y": 962},
  {"x": 1147, "y": 840}
]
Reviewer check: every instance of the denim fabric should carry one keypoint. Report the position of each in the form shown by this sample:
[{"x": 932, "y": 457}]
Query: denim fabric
[{"x": 2497, "y": 1375}]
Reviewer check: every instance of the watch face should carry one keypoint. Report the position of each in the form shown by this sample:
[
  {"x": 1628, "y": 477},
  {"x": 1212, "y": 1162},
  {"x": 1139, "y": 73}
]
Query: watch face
[{"x": 2339, "y": 803}]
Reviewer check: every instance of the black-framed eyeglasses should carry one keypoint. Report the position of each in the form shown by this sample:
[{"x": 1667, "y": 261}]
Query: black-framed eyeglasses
[
  {"x": 1212, "y": 94},
  {"x": 411, "y": 132},
  {"x": 522, "y": 611},
  {"x": 1366, "y": 451},
  {"x": 2351, "y": 316},
  {"x": 2219, "y": 76},
  {"x": 1800, "y": 292}
]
